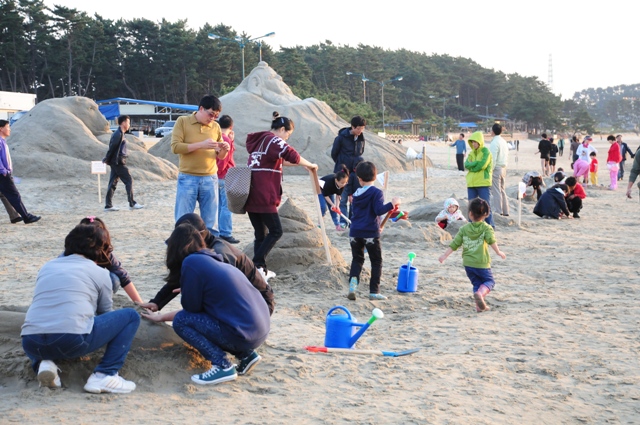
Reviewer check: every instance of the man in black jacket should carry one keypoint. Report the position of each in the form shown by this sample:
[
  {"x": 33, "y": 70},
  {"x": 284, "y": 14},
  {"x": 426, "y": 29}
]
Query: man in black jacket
[
  {"x": 347, "y": 146},
  {"x": 117, "y": 159}
]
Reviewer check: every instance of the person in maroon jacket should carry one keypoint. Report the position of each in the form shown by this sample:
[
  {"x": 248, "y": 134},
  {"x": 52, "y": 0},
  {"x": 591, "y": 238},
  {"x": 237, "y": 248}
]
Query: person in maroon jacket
[{"x": 268, "y": 151}]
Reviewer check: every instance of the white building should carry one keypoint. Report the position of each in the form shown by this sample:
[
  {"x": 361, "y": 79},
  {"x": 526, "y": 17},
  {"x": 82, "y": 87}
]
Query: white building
[{"x": 11, "y": 102}]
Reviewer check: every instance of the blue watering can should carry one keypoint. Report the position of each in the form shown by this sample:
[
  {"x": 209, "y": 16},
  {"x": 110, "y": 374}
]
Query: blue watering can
[
  {"x": 341, "y": 328},
  {"x": 408, "y": 276}
]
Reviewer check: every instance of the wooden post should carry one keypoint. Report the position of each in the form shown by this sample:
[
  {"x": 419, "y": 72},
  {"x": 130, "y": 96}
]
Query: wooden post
[
  {"x": 424, "y": 171},
  {"x": 317, "y": 191}
]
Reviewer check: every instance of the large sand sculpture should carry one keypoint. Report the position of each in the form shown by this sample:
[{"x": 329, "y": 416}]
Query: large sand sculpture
[
  {"x": 261, "y": 93},
  {"x": 59, "y": 138}
]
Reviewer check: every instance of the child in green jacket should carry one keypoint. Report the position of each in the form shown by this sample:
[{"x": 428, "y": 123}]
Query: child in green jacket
[{"x": 474, "y": 238}]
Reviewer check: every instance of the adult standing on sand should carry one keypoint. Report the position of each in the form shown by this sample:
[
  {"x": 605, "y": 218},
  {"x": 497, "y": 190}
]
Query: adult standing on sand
[
  {"x": 268, "y": 151},
  {"x": 461, "y": 150},
  {"x": 7, "y": 186},
  {"x": 197, "y": 140},
  {"x": 633, "y": 174},
  {"x": 544, "y": 149},
  {"x": 479, "y": 176},
  {"x": 347, "y": 146},
  {"x": 116, "y": 158},
  {"x": 500, "y": 153}
]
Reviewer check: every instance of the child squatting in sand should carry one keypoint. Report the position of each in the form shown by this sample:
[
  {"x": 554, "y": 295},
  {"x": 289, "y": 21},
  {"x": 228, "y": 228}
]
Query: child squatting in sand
[{"x": 474, "y": 238}]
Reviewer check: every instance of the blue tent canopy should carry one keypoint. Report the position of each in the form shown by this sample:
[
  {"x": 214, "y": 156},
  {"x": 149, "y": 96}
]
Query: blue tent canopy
[
  {"x": 149, "y": 102},
  {"x": 467, "y": 125},
  {"x": 111, "y": 111}
]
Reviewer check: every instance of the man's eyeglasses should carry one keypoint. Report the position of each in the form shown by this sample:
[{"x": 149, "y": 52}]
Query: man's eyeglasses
[{"x": 212, "y": 114}]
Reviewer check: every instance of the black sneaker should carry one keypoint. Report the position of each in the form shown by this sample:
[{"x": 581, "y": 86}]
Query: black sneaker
[
  {"x": 230, "y": 239},
  {"x": 248, "y": 363},
  {"x": 576, "y": 215},
  {"x": 31, "y": 219},
  {"x": 16, "y": 220}
]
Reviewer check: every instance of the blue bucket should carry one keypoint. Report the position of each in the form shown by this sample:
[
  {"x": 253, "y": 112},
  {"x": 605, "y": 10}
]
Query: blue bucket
[
  {"x": 340, "y": 328},
  {"x": 407, "y": 279}
]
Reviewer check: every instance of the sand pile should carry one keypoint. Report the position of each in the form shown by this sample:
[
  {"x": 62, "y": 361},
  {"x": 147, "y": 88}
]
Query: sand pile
[
  {"x": 59, "y": 137},
  {"x": 261, "y": 93},
  {"x": 299, "y": 256}
]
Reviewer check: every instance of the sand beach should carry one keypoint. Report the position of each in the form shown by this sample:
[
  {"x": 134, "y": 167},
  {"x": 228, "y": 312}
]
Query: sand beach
[{"x": 559, "y": 345}]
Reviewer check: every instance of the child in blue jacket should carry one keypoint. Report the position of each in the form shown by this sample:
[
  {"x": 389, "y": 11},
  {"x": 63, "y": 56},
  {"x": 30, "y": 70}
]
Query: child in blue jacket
[{"x": 368, "y": 206}]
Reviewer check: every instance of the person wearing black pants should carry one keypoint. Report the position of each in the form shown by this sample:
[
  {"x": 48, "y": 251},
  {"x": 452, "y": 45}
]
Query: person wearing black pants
[
  {"x": 117, "y": 160},
  {"x": 267, "y": 230},
  {"x": 268, "y": 151},
  {"x": 7, "y": 187}
]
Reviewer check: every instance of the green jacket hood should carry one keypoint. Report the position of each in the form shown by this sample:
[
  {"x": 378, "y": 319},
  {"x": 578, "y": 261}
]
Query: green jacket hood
[{"x": 476, "y": 137}]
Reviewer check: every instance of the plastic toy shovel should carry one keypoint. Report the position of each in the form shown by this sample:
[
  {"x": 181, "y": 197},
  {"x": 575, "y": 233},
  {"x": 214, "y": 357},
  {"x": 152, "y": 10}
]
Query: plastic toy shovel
[
  {"x": 351, "y": 351},
  {"x": 337, "y": 211}
]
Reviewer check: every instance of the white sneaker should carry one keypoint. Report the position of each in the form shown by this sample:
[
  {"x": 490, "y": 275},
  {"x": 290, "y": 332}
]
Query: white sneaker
[
  {"x": 111, "y": 209},
  {"x": 136, "y": 206},
  {"x": 266, "y": 276},
  {"x": 48, "y": 375},
  {"x": 101, "y": 383}
]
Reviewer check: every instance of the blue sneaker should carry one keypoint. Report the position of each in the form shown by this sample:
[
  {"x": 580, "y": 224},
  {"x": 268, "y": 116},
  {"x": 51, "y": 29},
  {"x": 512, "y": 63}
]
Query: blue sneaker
[
  {"x": 353, "y": 285},
  {"x": 377, "y": 297},
  {"x": 248, "y": 363},
  {"x": 215, "y": 375}
]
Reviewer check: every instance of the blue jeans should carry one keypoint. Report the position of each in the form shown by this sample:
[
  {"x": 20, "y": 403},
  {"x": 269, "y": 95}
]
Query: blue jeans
[
  {"x": 203, "y": 332},
  {"x": 480, "y": 277},
  {"x": 203, "y": 189},
  {"x": 115, "y": 329},
  {"x": 324, "y": 206},
  {"x": 344, "y": 200},
  {"x": 483, "y": 193},
  {"x": 225, "y": 220}
]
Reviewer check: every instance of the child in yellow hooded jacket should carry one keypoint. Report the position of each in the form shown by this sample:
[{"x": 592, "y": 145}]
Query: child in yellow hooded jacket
[{"x": 479, "y": 166}]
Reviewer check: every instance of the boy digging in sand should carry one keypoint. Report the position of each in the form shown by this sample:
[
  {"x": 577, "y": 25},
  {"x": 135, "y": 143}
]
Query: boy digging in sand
[{"x": 474, "y": 238}]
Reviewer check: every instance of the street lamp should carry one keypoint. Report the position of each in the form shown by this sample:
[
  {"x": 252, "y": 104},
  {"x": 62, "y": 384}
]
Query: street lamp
[
  {"x": 364, "y": 85},
  {"x": 486, "y": 108},
  {"x": 243, "y": 41},
  {"x": 382, "y": 83},
  {"x": 444, "y": 101}
]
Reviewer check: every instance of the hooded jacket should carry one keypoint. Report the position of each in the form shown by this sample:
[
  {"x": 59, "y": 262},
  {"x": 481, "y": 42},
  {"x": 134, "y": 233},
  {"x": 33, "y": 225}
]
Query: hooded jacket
[
  {"x": 551, "y": 204},
  {"x": 368, "y": 206},
  {"x": 444, "y": 214},
  {"x": 479, "y": 163},
  {"x": 267, "y": 152},
  {"x": 475, "y": 238},
  {"x": 345, "y": 149},
  {"x": 222, "y": 292}
]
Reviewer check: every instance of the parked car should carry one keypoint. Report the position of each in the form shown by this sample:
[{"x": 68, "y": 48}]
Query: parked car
[
  {"x": 166, "y": 129},
  {"x": 15, "y": 117}
]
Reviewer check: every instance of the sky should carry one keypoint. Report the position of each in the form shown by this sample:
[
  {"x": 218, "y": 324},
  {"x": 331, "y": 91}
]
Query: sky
[{"x": 592, "y": 44}]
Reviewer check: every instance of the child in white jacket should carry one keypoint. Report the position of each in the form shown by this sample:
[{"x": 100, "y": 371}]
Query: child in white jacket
[{"x": 451, "y": 212}]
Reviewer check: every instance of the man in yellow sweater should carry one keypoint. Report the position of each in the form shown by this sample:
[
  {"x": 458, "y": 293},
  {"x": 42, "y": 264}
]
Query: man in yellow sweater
[{"x": 197, "y": 140}]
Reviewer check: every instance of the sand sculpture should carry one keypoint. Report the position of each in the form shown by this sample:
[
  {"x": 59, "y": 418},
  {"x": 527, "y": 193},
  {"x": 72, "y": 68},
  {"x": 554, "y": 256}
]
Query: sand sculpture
[
  {"x": 261, "y": 93},
  {"x": 59, "y": 138},
  {"x": 300, "y": 255}
]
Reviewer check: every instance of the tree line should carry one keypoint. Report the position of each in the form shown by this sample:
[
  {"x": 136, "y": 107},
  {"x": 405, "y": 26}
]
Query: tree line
[{"x": 59, "y": 51}]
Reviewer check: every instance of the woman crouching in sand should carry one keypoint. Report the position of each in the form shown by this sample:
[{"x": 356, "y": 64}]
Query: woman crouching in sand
[{"x": 222, "y": 310}]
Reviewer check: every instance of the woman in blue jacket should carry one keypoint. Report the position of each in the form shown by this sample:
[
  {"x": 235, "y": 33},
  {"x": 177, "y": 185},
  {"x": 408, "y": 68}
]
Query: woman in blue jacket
[{"x": 222, "y": 310}]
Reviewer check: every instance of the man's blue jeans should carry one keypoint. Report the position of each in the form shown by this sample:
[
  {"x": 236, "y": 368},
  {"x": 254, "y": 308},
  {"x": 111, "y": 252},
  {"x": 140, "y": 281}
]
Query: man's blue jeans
[
  {"x": 225, "y": 217},
  {"x": 204, "y": 190},
  {"x": 203, "y": 332},
  {"x": 115, "y": 329},
  {"x": 483, "y": 193}
]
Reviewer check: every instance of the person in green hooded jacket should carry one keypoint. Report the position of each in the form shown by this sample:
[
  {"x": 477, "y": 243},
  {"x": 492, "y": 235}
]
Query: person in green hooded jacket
[
  {"x": 475, "y": 237},
  {"x": 479, "y": 163}
]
